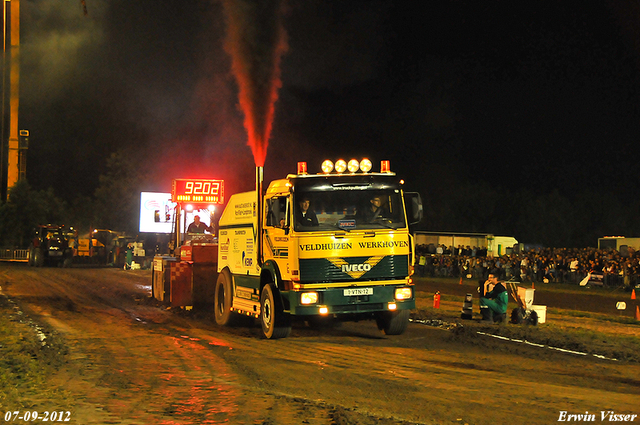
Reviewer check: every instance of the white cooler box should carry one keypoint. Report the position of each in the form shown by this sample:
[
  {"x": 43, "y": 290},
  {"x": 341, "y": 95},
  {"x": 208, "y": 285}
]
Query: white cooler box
[{"x": 541, "y": 310}]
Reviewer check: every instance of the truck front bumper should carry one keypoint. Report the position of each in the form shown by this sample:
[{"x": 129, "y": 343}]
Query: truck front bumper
[{"x": 342, "y": 300}]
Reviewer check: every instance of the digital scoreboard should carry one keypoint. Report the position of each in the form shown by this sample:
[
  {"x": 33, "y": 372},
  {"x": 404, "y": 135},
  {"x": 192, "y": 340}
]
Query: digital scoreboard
[{"x": 197, "y": 191}]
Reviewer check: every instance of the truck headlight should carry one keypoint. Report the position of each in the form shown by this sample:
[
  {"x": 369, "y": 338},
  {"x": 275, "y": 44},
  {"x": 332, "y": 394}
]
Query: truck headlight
[
  {"x": 404, "y": 293},
  {"x": 308, "y": 298}
]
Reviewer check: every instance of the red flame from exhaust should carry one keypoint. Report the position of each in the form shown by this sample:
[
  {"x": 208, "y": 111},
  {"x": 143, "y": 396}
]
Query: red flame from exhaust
[{"x": 256, "y": 42}]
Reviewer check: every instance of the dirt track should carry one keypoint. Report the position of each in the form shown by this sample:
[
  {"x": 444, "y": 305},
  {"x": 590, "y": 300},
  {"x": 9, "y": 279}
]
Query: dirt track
[{"x": 131, "y": 361}]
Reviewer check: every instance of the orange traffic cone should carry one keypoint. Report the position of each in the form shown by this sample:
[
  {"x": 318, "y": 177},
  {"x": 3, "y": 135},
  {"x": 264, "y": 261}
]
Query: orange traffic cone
[
  {"x": 460, "y": 280},
  {"x": 637, "y": 313},
  {"x": 633, "y": 294},
  {"x": 533, "y": 285}
]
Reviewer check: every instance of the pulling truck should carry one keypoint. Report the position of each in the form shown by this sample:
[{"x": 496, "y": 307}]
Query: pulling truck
[{"x": 348, "y": 266}]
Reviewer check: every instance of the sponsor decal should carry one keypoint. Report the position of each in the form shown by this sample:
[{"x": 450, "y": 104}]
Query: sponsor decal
[
  {"x": 241, "y": 293},
  {"x": 224, "y": 246},
  {"x": 243, "y": 210}
]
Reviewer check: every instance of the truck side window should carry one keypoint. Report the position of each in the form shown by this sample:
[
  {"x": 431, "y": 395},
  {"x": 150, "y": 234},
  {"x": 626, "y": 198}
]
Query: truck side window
[{"x": 277, "y": 212}]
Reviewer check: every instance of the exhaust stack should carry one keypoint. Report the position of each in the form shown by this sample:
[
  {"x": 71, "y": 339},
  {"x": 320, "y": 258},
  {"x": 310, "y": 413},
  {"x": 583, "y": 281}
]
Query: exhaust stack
[{"x": 259, "y": 207}]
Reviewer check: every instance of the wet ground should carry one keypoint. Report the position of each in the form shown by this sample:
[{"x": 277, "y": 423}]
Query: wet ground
[{"x": 129, "y": 360}]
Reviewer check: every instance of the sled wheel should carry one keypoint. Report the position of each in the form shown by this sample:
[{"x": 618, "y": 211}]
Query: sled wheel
[
  {"x": 533, "y": 318},
  {"x": 517, "y": 316}
]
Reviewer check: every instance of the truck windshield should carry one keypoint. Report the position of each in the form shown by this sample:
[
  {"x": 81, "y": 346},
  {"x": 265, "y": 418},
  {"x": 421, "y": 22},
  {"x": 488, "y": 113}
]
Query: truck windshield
[{"x": 348, "y": 210}]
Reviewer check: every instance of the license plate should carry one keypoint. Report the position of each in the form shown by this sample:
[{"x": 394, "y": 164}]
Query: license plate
[
  {"x": 358, "y": 291},
  {"x": 55, "y": 253}
]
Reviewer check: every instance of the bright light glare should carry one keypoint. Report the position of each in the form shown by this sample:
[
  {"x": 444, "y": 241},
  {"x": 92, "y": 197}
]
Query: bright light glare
[
  {"x": 327, "y": 166},
  {"x": 403, "y": 293},
  {"x": 365, "y": 165},
  {"x": 353, "y": 165},
  {"x": 212, "y": 208},
  {"x": 308, "y": 298},
  {"x": 323, "y": 310},
  {"x": 341, "y": 165},
  {"x": 393, "y": 306},
  {"x": 189, "y": 207}
]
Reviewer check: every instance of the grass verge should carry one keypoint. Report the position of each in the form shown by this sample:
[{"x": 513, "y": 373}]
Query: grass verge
[
  {"x": 29, "y": 355},
  {"x": 610, "y": 345}
]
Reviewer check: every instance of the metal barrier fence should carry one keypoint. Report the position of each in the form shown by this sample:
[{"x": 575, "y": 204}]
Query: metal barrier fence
[{"x": 12, "y": 254}]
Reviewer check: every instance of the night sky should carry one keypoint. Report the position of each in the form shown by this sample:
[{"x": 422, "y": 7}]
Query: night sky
[{"x": 520, "y": 95}]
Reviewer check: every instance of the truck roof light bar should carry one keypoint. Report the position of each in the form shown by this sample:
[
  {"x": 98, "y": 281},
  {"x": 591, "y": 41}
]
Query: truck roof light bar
[
  {"x": 353, "y": 166},
  {"x": 365, "y": 165}
]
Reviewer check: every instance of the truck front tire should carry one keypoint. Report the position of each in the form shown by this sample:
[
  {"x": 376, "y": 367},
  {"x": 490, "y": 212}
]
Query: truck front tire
[
  {"x": 393, "y": 322},
  {"x": 275, "y": 322}
]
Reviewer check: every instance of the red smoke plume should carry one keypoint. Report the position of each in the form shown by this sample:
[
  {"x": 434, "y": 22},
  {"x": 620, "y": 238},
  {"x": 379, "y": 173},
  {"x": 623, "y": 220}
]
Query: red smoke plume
[{"x": 256, "y": 41}]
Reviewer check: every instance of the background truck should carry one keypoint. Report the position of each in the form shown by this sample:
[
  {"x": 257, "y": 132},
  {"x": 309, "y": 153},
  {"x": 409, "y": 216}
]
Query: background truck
[
  {"x": 351, "y": 265},
  {"x": 50, "y": 246}
]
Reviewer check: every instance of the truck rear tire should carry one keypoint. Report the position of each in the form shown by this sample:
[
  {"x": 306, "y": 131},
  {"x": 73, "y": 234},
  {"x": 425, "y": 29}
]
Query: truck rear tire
[
  {"x": 38, "y": 257},
  {"x": 67, "y": 262},
  {"x": 393, "y": 322},
  {"x": 223, "y": 300},
  {"x": 275, "y": 322}
]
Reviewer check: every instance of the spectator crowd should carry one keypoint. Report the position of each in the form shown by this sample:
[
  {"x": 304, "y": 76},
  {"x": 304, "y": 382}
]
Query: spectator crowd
[{"x": 543, "y": 265}]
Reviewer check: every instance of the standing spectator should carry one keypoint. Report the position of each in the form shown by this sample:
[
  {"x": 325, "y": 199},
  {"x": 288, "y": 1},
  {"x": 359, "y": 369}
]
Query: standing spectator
[
  {"x": 422, "y": 264},
  {"x": 573, "y": 270}
]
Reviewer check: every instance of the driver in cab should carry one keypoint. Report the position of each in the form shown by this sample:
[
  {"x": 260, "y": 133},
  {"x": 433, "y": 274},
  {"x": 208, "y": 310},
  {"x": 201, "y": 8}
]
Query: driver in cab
[
  {"x": 374, "y": 211},
  {"x": 198, "y": 227}
]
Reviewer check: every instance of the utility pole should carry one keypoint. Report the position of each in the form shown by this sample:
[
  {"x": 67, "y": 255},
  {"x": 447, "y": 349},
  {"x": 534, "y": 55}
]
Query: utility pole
[{"x": 11, "y": 64}]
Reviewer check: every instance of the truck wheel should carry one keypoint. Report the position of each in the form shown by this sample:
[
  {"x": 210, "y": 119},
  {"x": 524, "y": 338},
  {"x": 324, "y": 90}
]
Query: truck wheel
[
  {"x": 393, "y": 322},
  {"x": 223, "y": 299},
  {"x": 67, "y": 262},
  {"x": 38, "y": 257},
  {"x": 31, "y": 255},
  {"x": 275, "y": 322},
  {"x": 532, "y": 320},
  {"x": 517, "y": 316}
]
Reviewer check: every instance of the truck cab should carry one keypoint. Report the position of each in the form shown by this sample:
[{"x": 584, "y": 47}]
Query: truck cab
[{"x": 330, "y": 245}]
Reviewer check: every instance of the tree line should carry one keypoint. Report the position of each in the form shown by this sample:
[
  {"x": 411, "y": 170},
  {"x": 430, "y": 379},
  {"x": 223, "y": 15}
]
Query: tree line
[
  {"x": 551, "y": 218},
  {"x": 114, "y": 205}
]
